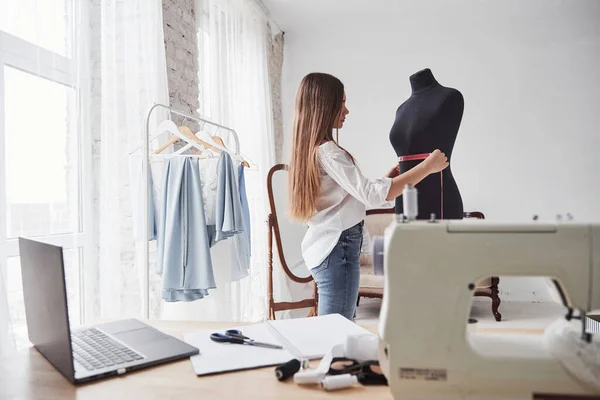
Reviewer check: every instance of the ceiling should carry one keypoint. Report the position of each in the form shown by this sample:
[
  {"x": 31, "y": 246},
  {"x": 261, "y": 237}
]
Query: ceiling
[
  {"x": 297, "y": 15},
  {"x": 319, "y": 15}
]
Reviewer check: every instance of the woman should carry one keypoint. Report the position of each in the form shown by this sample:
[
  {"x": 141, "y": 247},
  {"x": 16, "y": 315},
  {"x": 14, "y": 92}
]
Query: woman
[{"x": 329, "y": 193}]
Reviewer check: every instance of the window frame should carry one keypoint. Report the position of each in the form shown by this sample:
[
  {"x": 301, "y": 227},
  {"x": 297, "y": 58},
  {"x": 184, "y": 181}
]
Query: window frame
[{"x": 40, "y": 62}]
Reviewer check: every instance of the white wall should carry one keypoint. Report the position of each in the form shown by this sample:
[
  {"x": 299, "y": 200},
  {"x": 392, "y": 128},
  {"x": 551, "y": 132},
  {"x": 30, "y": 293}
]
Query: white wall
[{"x": 529, "y": 72}]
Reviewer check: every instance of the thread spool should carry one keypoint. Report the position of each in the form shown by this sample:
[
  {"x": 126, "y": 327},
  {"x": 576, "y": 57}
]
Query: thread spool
[
  {"x": 410, "y": 202},
  {"x": 378, "y": 255},
  {"x": 362, "y": 347},
  {"x": 284, "y": 371},
  {"x": 308, "y": 377},
  {"x": 337, "y": 382}
]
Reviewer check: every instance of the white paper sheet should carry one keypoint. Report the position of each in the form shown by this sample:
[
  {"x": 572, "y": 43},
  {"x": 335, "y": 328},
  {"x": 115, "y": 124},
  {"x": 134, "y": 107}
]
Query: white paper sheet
[
  {"x": 306, "y": 338},
  {"x": 314, "y": 337},
  {"x": 225, "y": 357}
]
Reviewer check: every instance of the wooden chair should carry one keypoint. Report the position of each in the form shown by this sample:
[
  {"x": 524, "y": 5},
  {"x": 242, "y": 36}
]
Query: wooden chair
[
  {"x": 487, "y": 287},
  {"x": 274, "y": 231}
]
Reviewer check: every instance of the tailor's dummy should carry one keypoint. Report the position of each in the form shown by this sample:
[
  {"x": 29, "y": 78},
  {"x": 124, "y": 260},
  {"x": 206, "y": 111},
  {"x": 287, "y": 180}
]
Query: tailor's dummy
[{"x": 430, "y": 120}]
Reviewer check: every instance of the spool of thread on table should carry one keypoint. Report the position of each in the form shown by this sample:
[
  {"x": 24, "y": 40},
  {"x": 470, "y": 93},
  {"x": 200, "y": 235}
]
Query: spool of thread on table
[
  {"x": 337, "y": 382},
  {"x": 410, "y": 202},
  {"x": 284, "y": 371},
  {"x": 362, "y": 347},
  {"x": 309, "y": 377}
]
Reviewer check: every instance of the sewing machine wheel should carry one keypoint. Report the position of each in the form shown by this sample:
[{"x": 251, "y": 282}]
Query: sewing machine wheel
[{"x": 378, "y": 253}]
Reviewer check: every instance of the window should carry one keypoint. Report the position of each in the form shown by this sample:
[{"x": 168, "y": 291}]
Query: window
[
  {"x": 42, "y": 187},
  {"x": 43, "y": 23},
  {"x": 40, "y": 201}
]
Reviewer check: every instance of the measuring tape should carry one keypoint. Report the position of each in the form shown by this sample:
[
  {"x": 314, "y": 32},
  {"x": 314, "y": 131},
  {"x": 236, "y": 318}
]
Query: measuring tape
[{"x": 423, "y": 156}]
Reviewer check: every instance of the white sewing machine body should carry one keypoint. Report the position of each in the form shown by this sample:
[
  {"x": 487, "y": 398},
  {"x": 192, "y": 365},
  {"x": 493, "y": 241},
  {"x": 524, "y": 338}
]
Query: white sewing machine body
[{"x": 425, "y": 349}]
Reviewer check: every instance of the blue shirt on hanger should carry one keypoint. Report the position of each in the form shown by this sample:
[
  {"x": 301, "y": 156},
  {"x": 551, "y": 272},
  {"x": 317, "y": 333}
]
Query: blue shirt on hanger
[{"x": 183, "y": 254}]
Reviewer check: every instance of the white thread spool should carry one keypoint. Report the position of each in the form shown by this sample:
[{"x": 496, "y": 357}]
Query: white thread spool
[
  {"x": 362, "y": 347},
  {"x": 410, "y": 202},
  {"x": 337, "y": 382},
  {"x": 309, "y": 377}
]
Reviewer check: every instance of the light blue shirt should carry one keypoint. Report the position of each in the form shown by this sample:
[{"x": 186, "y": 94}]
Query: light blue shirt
[
  {"x": 229, "y": 219},
  {"x": 183, "y": 237},
  {"x": 232, "y": 216},
  {"x": 242, "y": 241},
  {"x": 183, "y": 253}
]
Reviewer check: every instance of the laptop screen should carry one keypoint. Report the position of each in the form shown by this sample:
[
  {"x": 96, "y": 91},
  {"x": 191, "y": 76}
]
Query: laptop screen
[{"x": 44, "y": 291}]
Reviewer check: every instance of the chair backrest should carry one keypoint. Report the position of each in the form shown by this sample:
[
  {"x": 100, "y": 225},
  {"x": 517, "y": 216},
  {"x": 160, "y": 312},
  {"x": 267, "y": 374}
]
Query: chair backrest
[
  {"x": 288, "y": 235},
  {"x": 474, "y": 214},
  {"x": 377, "y": 220}
]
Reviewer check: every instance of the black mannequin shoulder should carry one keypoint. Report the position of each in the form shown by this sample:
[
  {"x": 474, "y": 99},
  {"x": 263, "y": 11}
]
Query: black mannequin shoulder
[
  {"x": 453, "y": 96},
  {"x": 453, "y": 93},
  {"x": 442, "y": 95}
]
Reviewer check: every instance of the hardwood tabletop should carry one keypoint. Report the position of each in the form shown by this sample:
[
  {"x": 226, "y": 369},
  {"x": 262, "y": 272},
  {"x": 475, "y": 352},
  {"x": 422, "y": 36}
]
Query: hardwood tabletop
[{"x": 27, "y": 375}]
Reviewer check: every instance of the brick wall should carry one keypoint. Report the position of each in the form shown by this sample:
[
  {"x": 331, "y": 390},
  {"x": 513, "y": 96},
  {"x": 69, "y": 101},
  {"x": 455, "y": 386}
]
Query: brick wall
[
  {"x": 181, "y": 48},
  {"x": 275, "y": 48}
]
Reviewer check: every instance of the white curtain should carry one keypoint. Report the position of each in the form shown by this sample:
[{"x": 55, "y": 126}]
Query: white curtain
[
  {"x": 41, "y": 46},
  {"x": 235, "y": 92},
  {"x": 133, "y": 78},
  {"x": 7, "y": 341}
]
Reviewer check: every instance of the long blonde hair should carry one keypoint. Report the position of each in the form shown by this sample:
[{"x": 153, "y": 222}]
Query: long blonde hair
[{"x": 319, "y": 102}]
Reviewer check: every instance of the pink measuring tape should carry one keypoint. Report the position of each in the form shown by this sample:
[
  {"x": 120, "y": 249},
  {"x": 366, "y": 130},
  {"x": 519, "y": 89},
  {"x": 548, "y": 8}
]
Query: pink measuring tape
[{"x": 422, "y": 156}]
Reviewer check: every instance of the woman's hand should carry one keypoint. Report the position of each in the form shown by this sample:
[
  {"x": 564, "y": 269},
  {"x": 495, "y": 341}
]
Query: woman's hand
[
  {"x": 394, "y": 172},
  {"x": 436, "y": 162}
]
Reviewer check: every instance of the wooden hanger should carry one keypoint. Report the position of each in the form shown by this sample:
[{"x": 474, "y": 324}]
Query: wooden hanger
[
  {"x": 164, "y": 146},
  {"x": 178, "y": 134},
  {"x": 184, "y": 133},
  {"x": 220, "y": 146},
  {"x": 187, "y": 132},
  {"x": 164, "y": 126}
]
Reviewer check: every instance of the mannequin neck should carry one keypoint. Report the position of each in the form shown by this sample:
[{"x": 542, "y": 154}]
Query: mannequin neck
[{"x": 422, "y": 80}]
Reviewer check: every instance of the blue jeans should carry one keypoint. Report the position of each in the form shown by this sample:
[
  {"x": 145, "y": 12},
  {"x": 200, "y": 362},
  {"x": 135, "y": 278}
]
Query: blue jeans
[{"x": 338, "y": 276}]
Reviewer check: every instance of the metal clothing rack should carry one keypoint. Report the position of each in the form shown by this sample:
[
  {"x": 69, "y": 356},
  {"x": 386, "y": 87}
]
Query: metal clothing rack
[{"x": 146, "y": 188}]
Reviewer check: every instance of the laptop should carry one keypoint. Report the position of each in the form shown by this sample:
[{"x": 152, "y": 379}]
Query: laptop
[{"x": 89, "y": 353}]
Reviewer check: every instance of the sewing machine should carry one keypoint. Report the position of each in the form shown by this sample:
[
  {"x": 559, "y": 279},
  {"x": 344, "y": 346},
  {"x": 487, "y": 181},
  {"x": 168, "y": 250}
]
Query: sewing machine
[{"x": 426, "y": 350}]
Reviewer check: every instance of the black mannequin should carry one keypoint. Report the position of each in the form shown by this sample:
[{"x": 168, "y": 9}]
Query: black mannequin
[{"x": 430, "y": 120}]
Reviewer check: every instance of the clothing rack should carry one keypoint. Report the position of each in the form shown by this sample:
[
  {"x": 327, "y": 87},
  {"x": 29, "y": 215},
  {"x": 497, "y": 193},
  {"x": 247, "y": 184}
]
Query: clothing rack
[{"x": 146, "y": 188}]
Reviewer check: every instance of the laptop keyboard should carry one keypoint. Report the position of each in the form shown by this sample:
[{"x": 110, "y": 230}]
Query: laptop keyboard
[{"x": 95, "y": 350}]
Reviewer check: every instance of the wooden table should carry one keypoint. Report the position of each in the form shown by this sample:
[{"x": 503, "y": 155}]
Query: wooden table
[{"x": 27, "y": 375}]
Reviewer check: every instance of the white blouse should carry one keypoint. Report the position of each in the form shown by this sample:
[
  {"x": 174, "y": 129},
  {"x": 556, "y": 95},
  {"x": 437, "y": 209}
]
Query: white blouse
[{"x": 342, "y": 203}]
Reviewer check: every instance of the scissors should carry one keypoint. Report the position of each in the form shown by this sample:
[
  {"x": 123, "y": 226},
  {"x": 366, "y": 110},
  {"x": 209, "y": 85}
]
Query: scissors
[{"x": 235, "y": 336}]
